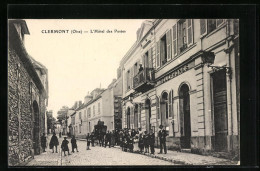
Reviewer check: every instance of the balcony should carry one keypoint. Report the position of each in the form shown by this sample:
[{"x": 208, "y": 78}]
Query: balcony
[{"x": 144, "y": 80}]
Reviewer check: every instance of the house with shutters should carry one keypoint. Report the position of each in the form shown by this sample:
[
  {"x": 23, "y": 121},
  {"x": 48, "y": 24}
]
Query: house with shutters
[{"x": 189, "y": 83}]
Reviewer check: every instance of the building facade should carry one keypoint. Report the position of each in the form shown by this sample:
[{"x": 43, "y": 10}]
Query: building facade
[
  {"x": 27, "y": 98},
  {"x": 189, "y": 83}
]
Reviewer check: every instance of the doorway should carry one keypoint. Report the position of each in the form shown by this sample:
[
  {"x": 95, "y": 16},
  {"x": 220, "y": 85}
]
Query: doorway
[
  {"x": 220, "y": 110},
  {"x": 136, "y": 117},
  {"x": 164, "y": 109},
  {"x": 148, "y": 115},
  {"x": 185, "y": 116},
  {"x": 36, "y": 129},
  {"x": 128, "y": 118}
]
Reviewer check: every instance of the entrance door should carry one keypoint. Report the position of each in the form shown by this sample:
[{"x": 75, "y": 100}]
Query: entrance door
[
  {"x": 36, "y": 129},
  {"x": 128, "y": 118},
  {"x": 185, "y": 116},
  {"x": 148, "y": 115},
  {"x": 136, "y": 117},
  {"x": 164, "y": 109},
  {"x": 220, "y": 110}
]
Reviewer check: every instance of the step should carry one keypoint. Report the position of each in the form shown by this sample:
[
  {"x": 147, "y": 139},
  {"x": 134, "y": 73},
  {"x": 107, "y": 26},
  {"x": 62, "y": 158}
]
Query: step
[{"x": 186, "y": 150}]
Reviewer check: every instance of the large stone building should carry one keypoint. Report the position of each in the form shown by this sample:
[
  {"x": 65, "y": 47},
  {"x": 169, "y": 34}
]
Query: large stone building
[
  {"x": 189, "y": 83},
  {"x": 27, "y": 98},
  {"x": 100, "y": 105}
]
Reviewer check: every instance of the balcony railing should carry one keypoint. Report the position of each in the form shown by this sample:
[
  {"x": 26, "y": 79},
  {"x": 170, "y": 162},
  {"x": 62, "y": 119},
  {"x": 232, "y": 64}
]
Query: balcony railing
[{"x": 144, "y": 80}]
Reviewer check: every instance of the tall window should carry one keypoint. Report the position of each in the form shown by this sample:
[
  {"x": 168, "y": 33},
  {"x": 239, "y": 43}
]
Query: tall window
[
  {"x": 85, "y": 115},
  {"x": 163, "y": 50},
  {"x": 79, "y": 115},
  {"x": 89, "y": 112},
  {"x": 207, "y": 26},
  {"x": 98, "y": 108},
  {"x": 128, "y": 80},
  {"x": 94, "y": 110},
  {"x": 185, "y": 34}
]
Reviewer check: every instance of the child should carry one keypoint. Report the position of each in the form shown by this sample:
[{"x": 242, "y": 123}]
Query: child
[
  {"x": 88, "y": 141},
  {"x": 64, "y": 146}
]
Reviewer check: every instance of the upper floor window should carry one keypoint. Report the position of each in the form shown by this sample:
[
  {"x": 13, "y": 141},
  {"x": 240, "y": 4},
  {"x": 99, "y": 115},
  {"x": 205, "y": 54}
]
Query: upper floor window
[
  {"x": 128, "y": 81},
  {"x": 98, "y": 108},
  {"x": 94, "y": 110},
  {"x": 185, "y": 34},
  {"x": 79, "y": 115},
  {"x": 89, "y": 112},
  {"x": 85, "y": 116},
  {"x": 207, "y": 26}
]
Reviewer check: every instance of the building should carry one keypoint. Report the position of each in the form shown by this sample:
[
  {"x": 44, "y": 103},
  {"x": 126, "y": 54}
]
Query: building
[
  {"x": 189, "y": 83},
  {"x": 27, "y": 98}
]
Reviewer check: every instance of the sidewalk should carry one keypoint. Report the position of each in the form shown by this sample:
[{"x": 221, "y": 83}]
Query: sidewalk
[{"x": 181, "y": 158}]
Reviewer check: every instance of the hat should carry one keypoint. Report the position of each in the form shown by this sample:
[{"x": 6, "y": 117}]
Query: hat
[{"x": 160, "y": 126}]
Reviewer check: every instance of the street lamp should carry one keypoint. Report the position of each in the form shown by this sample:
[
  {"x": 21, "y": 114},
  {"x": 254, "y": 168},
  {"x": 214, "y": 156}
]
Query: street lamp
[{"x": 208, "y": 58}]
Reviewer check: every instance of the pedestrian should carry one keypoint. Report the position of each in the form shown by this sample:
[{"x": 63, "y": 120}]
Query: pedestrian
[
  {"x": 64, "y": 146},
  {"x": 141, "y": 143},
  {"x": 92, "y": 139},
  {"x": 88, "y": 141},
  {"x": 113, "y": 138},
  {"x": 151, "y": 141},
  {"x": 43, "y": 142},
  {"x": 54, "y": 142},
  {"x": 108, "y": 139},
  {"x": 74, "y": 144},
  {"x": 60, "y": 135},
  {"x": 162, "y": 136},
  {"x": 146, "y": 142}
]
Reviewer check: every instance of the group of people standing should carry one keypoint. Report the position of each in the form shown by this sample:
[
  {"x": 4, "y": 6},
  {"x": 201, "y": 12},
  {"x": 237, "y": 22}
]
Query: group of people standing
[
  {"x": 54, "y": 143},
  {"x": 128, "y": 139},
  {"x": 143, "y": 142}
]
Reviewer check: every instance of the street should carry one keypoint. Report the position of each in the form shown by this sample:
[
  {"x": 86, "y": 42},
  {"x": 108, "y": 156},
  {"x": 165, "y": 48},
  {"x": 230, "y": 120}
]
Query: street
[{"x": 97, "y": 156}]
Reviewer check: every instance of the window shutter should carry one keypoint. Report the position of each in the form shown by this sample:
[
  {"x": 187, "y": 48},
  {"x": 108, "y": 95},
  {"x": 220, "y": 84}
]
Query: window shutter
[
  {"x": 158, "y": 107},
  {"x": 174, "y": 39},
  {"x": 190, "y": 32},
  {"x": 170, "y": 104},
  {"x": 203, "y": 26},
  {"x": 169, "y": 44},
  {"x": 132, "y": 76},
  {"x": 150, "y": 58},
  {"x": 158, "y": 61}
]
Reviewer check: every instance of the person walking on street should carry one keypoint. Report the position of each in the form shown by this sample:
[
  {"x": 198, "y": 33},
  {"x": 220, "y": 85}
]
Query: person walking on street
[
  {"x": 60, "y": 135},
  {"x": 54, "y": 142},
  {"x": 151, "y": 141},
  {"x": 74, "y": 144},
  {"x": 88, "y": 141},
  {"x": 43, "y": 142},
  {"x": 92, "y": 139},
  {"x": 162, "y": 136},
  {"x": 108, "y": 139},
  {"x": 146, "y": 142},
  {"x": 64, "y": 146}
]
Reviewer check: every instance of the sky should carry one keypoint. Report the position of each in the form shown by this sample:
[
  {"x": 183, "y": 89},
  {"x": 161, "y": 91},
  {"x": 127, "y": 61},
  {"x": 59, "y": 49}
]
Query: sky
[{"x": 78, "y": 63}]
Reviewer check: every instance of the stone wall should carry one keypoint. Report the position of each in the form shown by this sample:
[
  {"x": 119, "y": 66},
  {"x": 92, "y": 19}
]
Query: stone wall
[{"x": 20, "y": 123}]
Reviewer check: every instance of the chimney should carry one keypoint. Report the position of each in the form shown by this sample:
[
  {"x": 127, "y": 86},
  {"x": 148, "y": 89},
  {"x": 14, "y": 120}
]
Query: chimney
[
  {"x": 87, "y": 99},
  {"x": 80, "y": 103}
]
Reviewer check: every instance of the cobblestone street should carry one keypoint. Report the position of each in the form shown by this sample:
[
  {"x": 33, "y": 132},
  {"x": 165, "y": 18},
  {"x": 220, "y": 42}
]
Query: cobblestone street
[{"x": 94, "y": 157}]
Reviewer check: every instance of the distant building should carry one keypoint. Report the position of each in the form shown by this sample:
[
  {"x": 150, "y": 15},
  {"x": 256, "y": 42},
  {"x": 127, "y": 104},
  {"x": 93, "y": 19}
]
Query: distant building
[{"x": 27, "y": 98}]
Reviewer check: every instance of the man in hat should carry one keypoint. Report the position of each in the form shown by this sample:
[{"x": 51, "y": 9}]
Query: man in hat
[
  {"x": 74, "y": 144},
  {"x": 54, "y": 142},
  {"x": 146, "y": 142},
  {"x": 64, "y": 146},
  {"x": 162, "y": 136},
  {"x": 151, "y": 141}
]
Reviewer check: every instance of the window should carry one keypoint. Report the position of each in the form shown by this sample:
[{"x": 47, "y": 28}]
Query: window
[
  {"x": 79, "y": 128},
  {"x": 89, "y": 112},
  {"x": 207, "y": 26},
  {"x": 185, "y": 34},
  {"x": 98, "y": 108},
  {"x": 136, "y": 68},
  {"x": 128, "y": 80},
  {"x": 85, "y": 116},
  {"x": 79, "y": 115},
  {"x": 94, "y": 110},
  {"x": 163, "y": 50}
]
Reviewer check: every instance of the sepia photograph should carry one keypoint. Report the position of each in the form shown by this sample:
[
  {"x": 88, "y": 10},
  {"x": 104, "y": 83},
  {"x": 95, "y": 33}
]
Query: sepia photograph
[{"x": 123, "y": 92}]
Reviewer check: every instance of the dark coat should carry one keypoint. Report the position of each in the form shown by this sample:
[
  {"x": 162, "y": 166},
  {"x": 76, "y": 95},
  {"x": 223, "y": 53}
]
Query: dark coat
[
  {"x": 43, "y": 141},
  {"x": 73, "y": 143},
  {"x": 162, "y": 135},
  {"x": 146, "y": 140},
  {"x": 64, "y": 145},
  {"x": 141, "y": 142},
  {"x": 151, "y": 139},
  {"x": 54, "y": 141}
]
